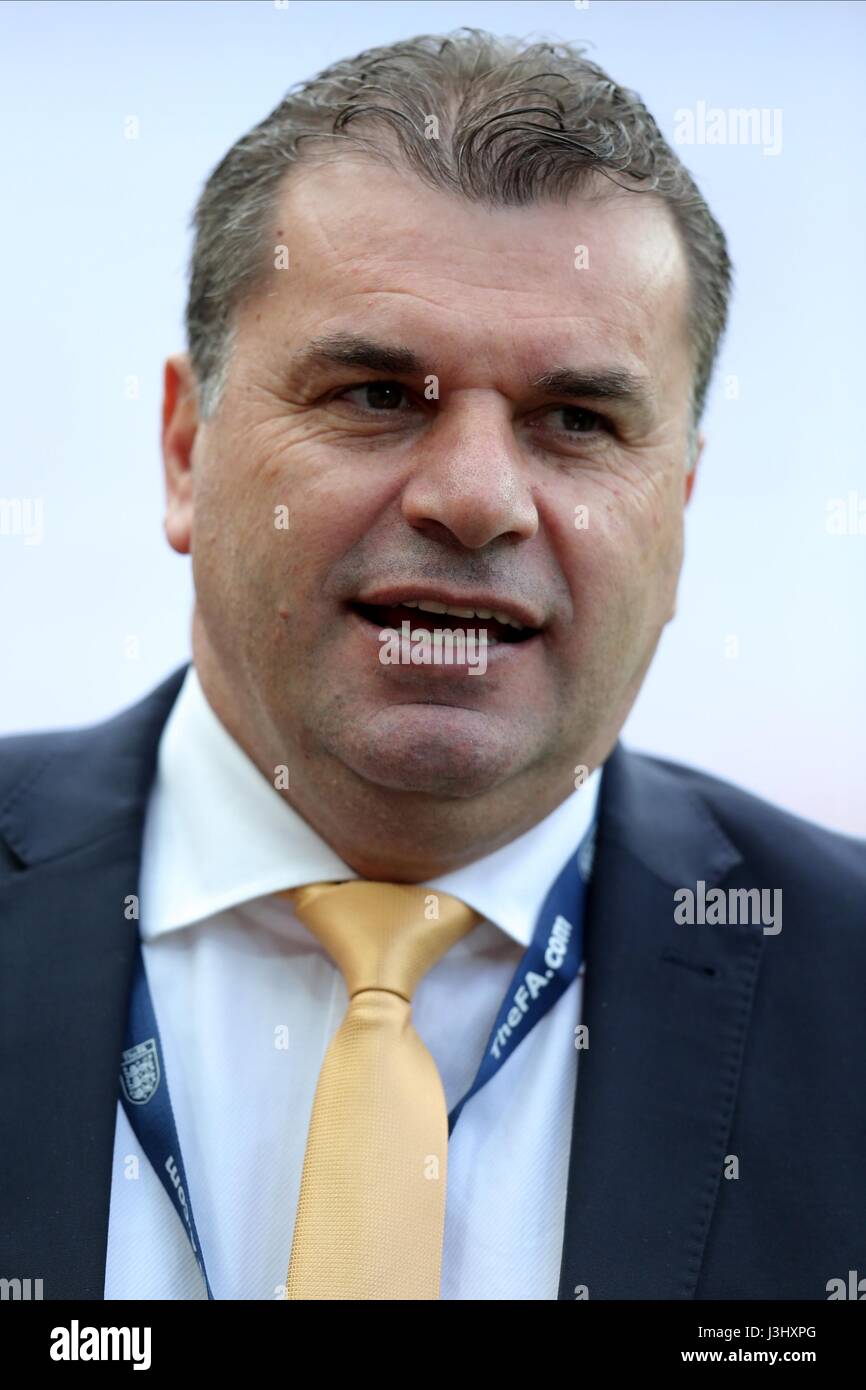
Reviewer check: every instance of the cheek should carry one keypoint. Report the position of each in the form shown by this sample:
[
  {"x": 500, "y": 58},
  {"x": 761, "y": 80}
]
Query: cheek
[
  {"x": 622, "y": 569},
  {"x": 332, "y": 503},
  {"x": 236, "y": 547}
]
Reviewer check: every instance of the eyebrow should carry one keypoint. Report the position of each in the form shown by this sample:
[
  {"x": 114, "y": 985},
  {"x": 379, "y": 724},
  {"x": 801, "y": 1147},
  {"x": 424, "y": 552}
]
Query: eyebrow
[
  {"x": 350, "y": 350},
  {"x": 599, "y": 384},
  {"x": 616, "y": 384}
]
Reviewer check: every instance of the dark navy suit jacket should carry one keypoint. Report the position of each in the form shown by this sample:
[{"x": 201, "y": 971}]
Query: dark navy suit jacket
[{"x": 707, "y": 1043}]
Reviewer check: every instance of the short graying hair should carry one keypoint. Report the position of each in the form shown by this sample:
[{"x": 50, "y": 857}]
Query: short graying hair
[{"x": 518, "y": 122}]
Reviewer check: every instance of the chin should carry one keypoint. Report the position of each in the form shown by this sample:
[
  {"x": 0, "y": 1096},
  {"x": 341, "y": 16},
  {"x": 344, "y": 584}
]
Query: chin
[{"x": 446, "y": 762}]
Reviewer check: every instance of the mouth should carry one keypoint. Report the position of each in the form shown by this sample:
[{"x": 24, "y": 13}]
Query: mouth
[{"x": 432, "y": 616}]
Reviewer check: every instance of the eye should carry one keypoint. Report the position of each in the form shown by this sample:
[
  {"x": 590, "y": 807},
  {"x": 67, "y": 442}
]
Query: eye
[
  {"x": 576, "y": 419},
  {"x": 376, "y": 395}
]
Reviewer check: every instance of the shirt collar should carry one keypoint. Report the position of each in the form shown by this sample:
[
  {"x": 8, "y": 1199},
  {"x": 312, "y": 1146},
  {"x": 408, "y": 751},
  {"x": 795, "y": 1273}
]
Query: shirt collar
[{"x": 218, "y": 834}]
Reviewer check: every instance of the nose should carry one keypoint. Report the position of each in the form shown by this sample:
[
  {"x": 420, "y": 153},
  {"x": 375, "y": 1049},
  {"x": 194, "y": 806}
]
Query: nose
[{"x": 471, "y": 480}]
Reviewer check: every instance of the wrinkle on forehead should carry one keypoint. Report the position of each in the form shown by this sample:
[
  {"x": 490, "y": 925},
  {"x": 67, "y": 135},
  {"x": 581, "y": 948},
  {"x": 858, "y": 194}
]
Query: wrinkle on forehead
[{"x": 377, "y": 247}]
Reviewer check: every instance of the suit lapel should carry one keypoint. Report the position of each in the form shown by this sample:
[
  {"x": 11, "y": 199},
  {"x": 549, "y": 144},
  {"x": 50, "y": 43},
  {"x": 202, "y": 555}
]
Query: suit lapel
[
  {"x": 73, "y": 825},
  {"x": 667, "y": 1008}
]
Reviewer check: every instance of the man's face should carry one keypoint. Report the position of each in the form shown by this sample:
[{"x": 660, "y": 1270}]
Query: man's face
[{"x": 461, "y": 481}]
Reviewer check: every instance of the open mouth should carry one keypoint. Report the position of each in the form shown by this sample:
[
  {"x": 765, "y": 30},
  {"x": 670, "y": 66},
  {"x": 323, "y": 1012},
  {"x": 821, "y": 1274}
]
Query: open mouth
[{"x": 383, "y": 616}]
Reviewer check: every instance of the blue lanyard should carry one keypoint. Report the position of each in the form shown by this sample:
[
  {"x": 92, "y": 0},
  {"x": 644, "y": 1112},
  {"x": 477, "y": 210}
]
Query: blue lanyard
[
  {"x": 552, "y": 960},
  {"x": 145, "y": 1098},
  {"x": 549, "y": 965}
]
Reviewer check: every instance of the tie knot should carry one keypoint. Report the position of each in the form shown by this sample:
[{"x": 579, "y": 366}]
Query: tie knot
[{"x": 382, "y": 935}]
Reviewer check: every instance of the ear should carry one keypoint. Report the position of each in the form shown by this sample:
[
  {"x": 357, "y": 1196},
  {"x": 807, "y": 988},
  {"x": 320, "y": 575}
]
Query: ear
[
  {"x": 690, "y": 476},
  {"x": 180, "y": 424}
]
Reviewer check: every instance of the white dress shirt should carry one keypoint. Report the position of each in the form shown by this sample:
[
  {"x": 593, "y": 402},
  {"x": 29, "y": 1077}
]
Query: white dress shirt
[{"x": 234, "y": 974}]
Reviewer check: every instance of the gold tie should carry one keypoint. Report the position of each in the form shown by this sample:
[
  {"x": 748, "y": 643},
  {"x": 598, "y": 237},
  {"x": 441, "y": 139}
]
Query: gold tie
[{"x": 371, "y": 1211}]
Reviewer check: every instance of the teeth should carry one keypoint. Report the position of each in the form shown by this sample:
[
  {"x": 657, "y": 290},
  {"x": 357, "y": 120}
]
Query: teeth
[
  {"x": 429, "y": 605},
  {"x": 509, "y": 622}
]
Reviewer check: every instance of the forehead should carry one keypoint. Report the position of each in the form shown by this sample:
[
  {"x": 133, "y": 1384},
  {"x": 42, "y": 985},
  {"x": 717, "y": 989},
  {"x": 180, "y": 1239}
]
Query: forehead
[{"x": 372, "y": 247}]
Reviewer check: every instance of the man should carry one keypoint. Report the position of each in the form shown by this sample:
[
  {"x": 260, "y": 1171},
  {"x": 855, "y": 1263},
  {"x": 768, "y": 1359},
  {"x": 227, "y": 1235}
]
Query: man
[{"x": 453, "y": 312}]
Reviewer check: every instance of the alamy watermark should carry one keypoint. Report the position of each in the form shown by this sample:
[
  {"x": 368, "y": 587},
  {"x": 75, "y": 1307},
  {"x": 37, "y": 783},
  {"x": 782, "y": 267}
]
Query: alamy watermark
[
  {"x": 854, "y": 1288},
  {"x": 738, "y": 125},
  {"x": 22, "y": 1290},
  {"x": 731, "y": 907},
  {"x": 846, "y": 516},
  {"x": 22, "y": 516},
  {"x": 441, "y": 646},
  {"x": 77, "y": 1343}
]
